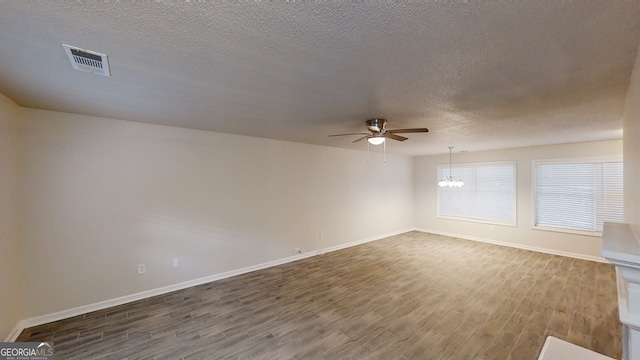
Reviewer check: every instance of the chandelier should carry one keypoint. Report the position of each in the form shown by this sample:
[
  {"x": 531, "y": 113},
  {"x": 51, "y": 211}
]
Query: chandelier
[{"x": 450, "y": 181}]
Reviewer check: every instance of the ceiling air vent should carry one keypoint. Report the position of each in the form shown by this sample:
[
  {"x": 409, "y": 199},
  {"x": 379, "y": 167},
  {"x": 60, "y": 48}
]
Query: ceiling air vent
[{"x": 87, "y": 60}]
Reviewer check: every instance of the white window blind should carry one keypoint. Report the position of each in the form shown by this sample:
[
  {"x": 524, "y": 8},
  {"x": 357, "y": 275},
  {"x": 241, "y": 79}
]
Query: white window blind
[
  {"x": 578, "y": 196},
  {"x": 488, "y": 194}
]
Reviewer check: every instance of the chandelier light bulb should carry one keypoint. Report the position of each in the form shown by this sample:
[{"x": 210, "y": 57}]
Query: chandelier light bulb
[{"x": 450, "y": 181}]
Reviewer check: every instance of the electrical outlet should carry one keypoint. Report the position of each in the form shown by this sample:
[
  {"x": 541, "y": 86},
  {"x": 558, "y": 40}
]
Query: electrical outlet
[
  {"x": 141, "y": 269},
  {"x": 321, "y": 236},
  {"x": 175, "y": 262},
  {"x": 297, "y": 251}
]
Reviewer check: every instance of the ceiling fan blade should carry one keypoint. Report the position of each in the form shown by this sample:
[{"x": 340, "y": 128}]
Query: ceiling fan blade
[
  {"x": 349, "y": 134},
  {"x": 362, "y": 138},
  {"x": 394, "y": 137},
  {"x": 414, "y": 130}
]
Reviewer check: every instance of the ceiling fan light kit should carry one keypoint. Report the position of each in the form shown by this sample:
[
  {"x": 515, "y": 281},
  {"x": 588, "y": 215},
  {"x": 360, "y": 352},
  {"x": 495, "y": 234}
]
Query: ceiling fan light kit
[
  {"x": 377, "y": 140},
  {"x": 450, "y": 181}
]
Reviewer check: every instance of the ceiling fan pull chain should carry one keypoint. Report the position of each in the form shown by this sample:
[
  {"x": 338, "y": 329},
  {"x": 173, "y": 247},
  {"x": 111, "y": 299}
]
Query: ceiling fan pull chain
[
  {"x": 384, "y": 152},
  {"x": 368, "y": 145}
]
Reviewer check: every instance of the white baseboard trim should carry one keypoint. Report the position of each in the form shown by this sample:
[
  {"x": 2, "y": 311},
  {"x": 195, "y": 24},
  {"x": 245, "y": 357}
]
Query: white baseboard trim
[
  {"x": 13, "y": 335},
  {"x": 43, "y": 319},
  {"x": 362, "y": 241},
  {"x": 517, "y": 246}
]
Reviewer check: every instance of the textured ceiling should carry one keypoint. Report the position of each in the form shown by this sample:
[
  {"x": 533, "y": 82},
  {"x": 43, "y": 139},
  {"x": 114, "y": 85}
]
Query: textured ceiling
[{"x": 479, "y": 74}]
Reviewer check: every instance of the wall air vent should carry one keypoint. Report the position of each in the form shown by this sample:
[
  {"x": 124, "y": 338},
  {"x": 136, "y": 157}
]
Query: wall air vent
[{"x": 87, "y": 60}]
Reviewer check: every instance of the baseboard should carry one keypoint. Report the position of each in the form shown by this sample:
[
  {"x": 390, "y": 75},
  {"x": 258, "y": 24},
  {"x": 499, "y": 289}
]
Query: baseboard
[
  {"x": 43, "y": 319},
  {"x": 517, "y": 246},
  {"x": 362, "y": 241},
  {"x": 13, "y": 335}
]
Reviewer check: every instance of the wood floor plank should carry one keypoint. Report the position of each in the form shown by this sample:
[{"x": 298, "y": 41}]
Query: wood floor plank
[{"x": 410, "y": 296}]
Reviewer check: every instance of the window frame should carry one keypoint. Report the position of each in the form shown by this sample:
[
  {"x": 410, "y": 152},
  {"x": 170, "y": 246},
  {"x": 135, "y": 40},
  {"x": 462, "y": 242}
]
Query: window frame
[
  {"x": 445, "y": 167},
  {"x": 586, "y": 160}
]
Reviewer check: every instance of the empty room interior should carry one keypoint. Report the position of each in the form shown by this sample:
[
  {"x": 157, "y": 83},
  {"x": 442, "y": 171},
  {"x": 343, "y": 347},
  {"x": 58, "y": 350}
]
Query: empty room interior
[{"x": 320, "y": 179}]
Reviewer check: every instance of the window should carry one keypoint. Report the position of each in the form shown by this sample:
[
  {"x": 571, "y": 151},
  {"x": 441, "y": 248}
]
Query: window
[
  {"x": 488, "y": 194},
  {"x": 577, "y": 196}
]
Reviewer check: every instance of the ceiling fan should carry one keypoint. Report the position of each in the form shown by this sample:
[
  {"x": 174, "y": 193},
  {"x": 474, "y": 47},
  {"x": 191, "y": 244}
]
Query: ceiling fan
[{"x": 378, "y": 132}]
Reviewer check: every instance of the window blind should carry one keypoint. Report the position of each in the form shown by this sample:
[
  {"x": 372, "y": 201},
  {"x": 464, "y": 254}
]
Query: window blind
[
  {"x": 578, "y": 196},
  {"x": 488, "y": 194}
]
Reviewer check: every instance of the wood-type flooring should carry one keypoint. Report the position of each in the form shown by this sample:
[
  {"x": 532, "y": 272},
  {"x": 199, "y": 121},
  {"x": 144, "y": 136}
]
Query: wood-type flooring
[{"x": 411, "y": 296}]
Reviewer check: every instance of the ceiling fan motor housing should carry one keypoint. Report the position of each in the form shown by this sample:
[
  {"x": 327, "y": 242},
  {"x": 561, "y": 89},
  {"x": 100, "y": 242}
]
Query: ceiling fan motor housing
[{"x": 376, "y": 125}]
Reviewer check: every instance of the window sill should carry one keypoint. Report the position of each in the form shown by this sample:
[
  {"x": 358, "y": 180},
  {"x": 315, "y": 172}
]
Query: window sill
[
  {"x": 568, "y": 231},
  {"x": 481, "y": 221}
]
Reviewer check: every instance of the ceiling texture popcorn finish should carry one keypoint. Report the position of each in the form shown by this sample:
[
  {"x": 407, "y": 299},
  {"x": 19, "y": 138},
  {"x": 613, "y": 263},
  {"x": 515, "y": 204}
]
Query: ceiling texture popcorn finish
[{"x": 480, "y": 75}]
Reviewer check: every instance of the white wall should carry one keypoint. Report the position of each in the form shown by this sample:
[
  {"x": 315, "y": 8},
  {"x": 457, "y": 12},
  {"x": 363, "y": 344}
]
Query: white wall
[
  {"x": 425, "y": 184},
  {"x": 10, "y": 265},
  {"x": 632, "y": 151},
  {"x": 104, "y": 195}
]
